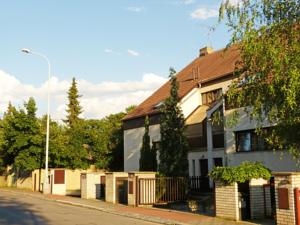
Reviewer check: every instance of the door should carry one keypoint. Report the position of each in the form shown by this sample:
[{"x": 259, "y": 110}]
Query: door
[
  {"x": 204, "y": 182},
  {"x": 34, "y": 188},
  {"x": 122, "y": 190},
  {"x": 51, "y": 184},
  {"x": 102, "y": 187},
  {"x": 244, "y": 201}
]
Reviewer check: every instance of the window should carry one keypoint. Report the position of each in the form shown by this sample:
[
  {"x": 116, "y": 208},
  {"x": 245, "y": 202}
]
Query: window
[
  {"x": 247, "y": 141},
  {"x": 211, "y": 96}
]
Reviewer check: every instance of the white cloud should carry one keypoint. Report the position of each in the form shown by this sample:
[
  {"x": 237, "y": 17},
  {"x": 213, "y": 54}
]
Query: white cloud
[
  {"x": 183, "y": 2},
  {"x": 110, "y": 51},
  {"x": 203, "y": 13},
  {"x": 133, "y": 52},
  {"x": 135, "y": 9},
  {"x": 188, "y": 2},
  {"x": 234, "y": 3},
  {"x": 98, "y": 99}
]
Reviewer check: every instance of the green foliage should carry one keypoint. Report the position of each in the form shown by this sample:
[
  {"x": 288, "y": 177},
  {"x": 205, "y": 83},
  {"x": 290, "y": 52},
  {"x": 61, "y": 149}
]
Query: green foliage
[
  {"x": 174, "y": 147},
  {"x": 115, "y": 141},
  {"x": 77, "y": 145},
  {"x": 22, "y": 143},
  {"x": 268, "y": 75},
  {"x": 74, "y": 108},
  {"x": 58, "y": 143},
  {"x": 148, "y": 154},
  {"x": 242, "y": 173}
]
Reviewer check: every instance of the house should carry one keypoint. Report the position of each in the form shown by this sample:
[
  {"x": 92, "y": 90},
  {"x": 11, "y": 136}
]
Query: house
[{"x": 202, "y": 82}]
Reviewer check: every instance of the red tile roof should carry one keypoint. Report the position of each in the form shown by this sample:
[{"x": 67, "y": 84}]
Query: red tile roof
[{"x": 202, "y": 69}]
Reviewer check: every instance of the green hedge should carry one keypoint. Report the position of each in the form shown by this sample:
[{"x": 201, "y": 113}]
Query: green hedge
[{"x": 242, "y": 173}]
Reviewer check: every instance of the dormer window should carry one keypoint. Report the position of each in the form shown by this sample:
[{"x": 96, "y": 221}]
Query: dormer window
[{"x": 211, "y": 96}]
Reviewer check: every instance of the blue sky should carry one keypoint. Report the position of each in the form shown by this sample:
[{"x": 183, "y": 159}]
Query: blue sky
[{"x": 122, "y": 42}]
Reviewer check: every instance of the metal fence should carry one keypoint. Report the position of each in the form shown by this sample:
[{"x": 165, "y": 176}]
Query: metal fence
[
  {"x": 161, "y": 190},
  {"x": 198, "y": 184},
  {"x": 169, "y": 189}
]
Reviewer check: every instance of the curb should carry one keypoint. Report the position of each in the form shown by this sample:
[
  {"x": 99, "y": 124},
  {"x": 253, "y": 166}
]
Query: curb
[{"x": 127, "y": 214}]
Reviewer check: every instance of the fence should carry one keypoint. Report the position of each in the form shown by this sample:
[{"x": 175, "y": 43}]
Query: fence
[
  {"x": 198, "y": 184},
  {"x": 161, "y": 190}
]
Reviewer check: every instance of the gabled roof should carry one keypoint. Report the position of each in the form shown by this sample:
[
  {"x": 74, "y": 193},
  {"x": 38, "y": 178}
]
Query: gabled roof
[{"x": 203, "y": 69}]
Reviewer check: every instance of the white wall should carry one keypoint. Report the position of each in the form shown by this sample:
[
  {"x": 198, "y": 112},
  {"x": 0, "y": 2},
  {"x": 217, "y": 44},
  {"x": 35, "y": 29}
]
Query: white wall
[
  {"x": 133, "y": 139},
  {"x": 276, "y": 161},
  {"x": 190, "y": 102},
  {"x": 197, "y": 155}
]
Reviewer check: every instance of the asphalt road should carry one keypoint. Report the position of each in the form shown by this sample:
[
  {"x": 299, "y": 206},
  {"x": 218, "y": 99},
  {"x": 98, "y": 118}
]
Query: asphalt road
[{"x": 20, "y": 209}]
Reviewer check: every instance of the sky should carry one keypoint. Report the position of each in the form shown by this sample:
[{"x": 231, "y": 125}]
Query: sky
[{"x": 119, "y": 51}]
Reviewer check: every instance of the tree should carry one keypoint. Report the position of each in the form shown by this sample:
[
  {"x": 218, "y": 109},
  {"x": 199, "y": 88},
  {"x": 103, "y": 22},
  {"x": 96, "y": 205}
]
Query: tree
[
  {"x": 268, "y": 77},
  {"x": 115, "y": 142},
  {"x": 58, "y": 143},
  {"x": 173, "y": 150},
  {"x": 74, "y": 109},
  {"x": 22, "y": 138},
  {"x": 77, "y": 152},
  {"x": 148, "y": 154}
]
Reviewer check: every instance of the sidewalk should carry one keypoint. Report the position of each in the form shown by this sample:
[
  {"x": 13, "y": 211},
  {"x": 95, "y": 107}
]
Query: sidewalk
[{"x": 150, "y": 214}]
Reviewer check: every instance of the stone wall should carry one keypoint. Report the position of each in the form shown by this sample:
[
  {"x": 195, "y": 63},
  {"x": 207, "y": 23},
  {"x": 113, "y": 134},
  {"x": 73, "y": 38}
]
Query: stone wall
[{"x": 227, "y": 201}]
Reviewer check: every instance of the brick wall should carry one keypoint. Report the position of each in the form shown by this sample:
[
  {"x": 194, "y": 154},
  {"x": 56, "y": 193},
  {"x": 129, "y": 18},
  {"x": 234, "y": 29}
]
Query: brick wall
[
  {"x": 227, "y": 201},
  {"x": 287, "y": 181}
]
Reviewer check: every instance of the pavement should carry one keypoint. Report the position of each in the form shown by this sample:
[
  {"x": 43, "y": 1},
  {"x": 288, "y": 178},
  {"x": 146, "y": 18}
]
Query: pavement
[{"x": 149, "y": 214}]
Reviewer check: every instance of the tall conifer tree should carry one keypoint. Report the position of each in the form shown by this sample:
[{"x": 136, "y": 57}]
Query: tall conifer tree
[
  {"x": 148, "y": 155},
  {"x": 74, "y": 109},
  {"x": 173, "y": 150}
]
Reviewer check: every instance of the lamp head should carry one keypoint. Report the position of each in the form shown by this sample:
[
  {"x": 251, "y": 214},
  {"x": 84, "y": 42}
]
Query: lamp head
[{"x": 26, "y": 50}]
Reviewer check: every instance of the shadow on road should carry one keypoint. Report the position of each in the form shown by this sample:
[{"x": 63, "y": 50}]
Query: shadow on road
[{"x": 14, "y": 212}]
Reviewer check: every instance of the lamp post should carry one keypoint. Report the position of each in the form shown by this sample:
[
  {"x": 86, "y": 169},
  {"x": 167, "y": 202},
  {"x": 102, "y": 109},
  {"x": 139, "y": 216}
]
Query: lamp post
[{"x": 46, "y": 188}]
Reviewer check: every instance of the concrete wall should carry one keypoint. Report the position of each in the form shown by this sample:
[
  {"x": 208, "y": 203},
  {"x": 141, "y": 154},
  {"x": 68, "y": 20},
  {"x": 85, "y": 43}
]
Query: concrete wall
[
  {"x": 73, "y": 181},
  {"x": 15, "y": 179},
  {"x": 58, "y": 189},
  {"x": 3, "y": 181},
  {"x": 90, "y": 185},
  {"x": 227, "y": 201},
  {"x": 132, "y": 145},
  {"x": 110, "y": 185}
]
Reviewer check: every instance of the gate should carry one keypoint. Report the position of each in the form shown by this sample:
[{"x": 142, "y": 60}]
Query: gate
[
  {"x": 198, "y": 184},
  {"x": 122, "y": 190},
  {"x": 269, "y": 199},
  {"x": 161, "y": 190}
]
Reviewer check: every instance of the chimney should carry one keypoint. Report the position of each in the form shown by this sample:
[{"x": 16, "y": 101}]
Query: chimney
[{"x": 205, "y": 51}]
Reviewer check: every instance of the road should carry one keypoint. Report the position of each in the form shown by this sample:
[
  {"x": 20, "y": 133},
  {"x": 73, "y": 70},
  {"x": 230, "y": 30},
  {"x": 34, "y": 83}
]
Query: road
[{"x": 20, "y": 209}]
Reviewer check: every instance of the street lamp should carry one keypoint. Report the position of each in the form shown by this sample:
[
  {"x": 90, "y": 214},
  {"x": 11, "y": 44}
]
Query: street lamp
[{"x": 46, "y": 188}]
